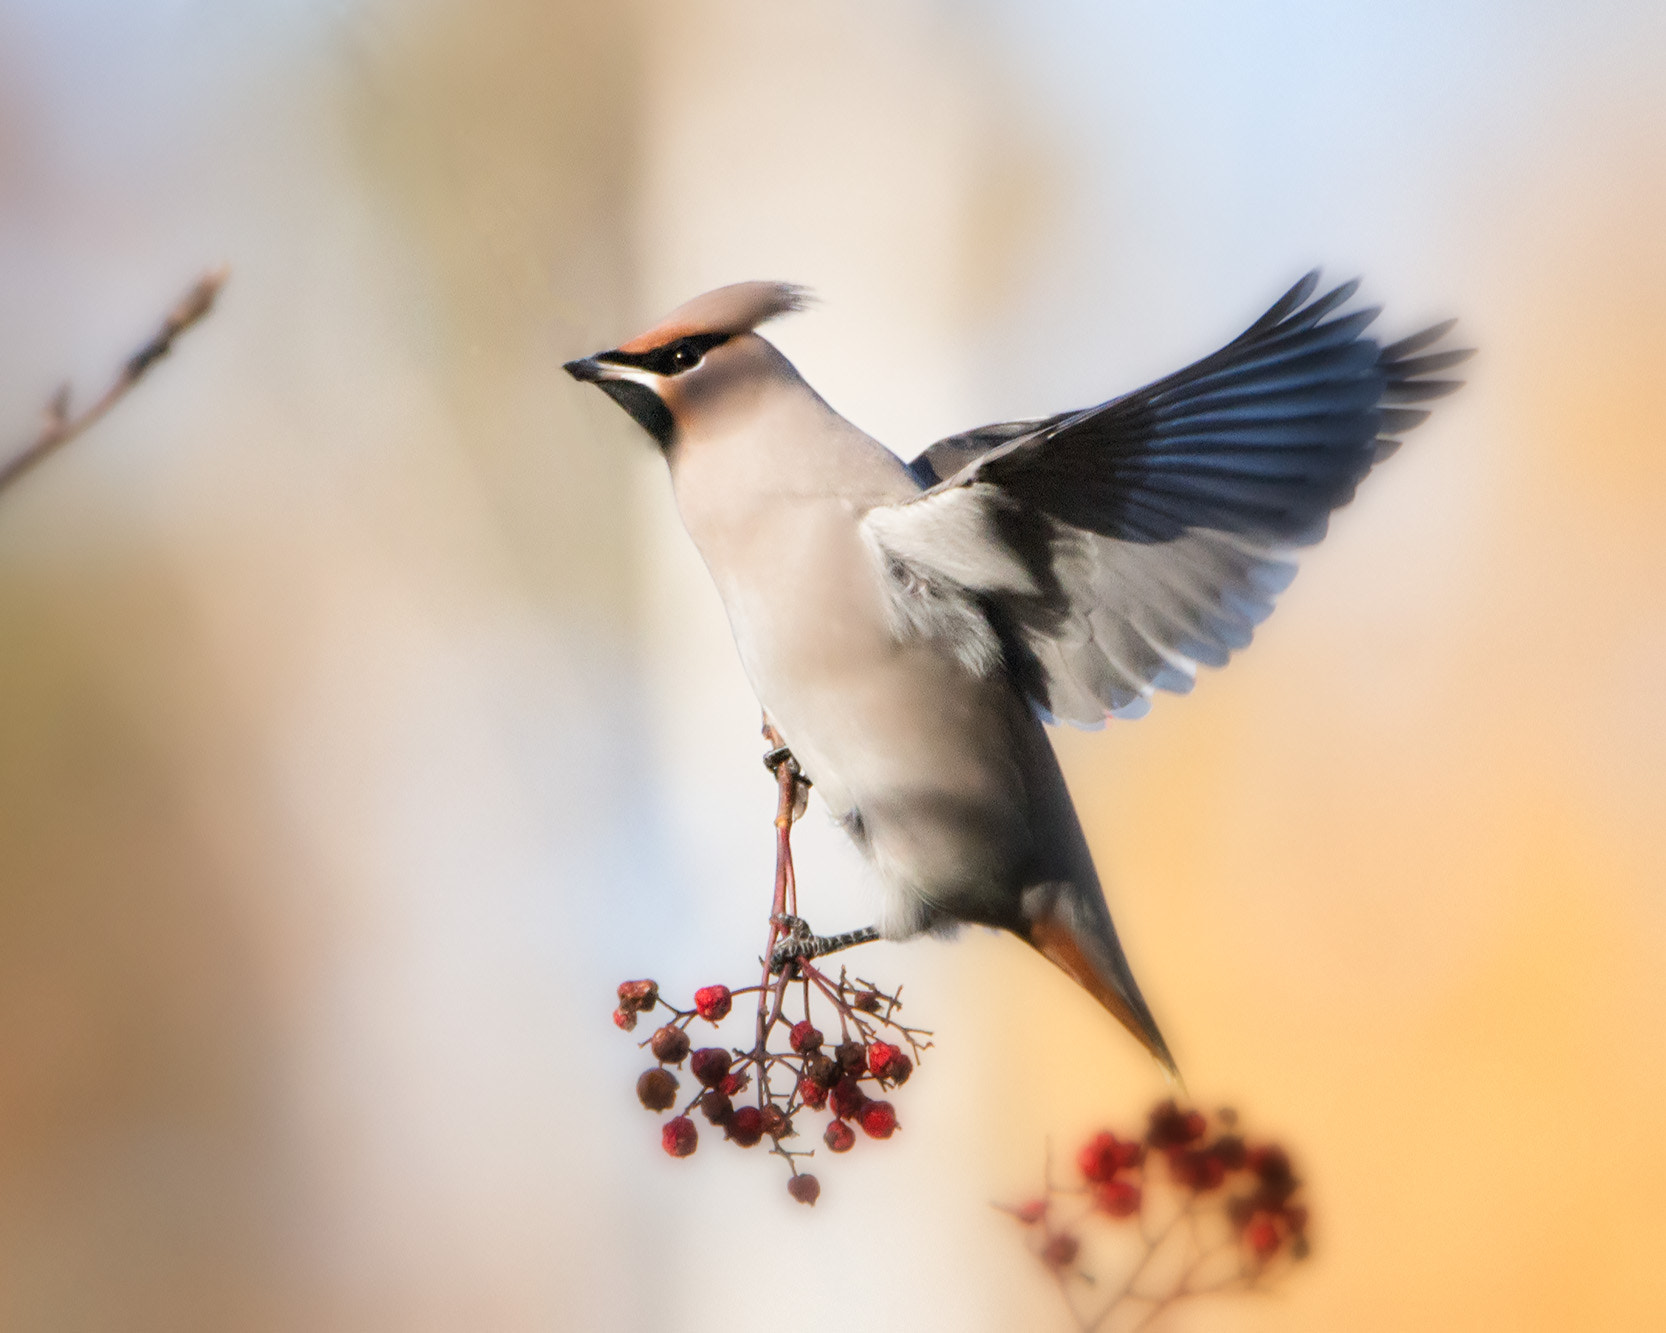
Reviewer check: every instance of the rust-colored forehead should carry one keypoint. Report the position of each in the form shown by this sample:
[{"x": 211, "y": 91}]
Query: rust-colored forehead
[{"x": 738, "y": 308}]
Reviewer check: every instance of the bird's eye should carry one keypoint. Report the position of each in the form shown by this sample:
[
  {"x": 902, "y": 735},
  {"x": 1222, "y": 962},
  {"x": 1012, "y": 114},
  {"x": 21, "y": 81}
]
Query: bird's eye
[{"x": 683, "y": 356}]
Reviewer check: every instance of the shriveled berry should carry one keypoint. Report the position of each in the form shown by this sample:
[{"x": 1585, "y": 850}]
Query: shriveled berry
[
  {"x": 868, "y": 1001},
  {"x": 823, "y": 1070},
  {"x": 1262, "y": 1237},
  {"x": 1271, "y": 1165},
  {"x": 710, "y": 1065},
  {"x": 712, "y": 1003},
  {"x": 657, "y": 1089},
  {"x": 1060, "y": 1251},
  {"x": 811, "y": 1093},
  {"x": 882, "y": 1058},
  {"x": 804, "y": 1039},
  {"x": 678, "y": 1136},
  {"x": 746, "y": 1126},
  {"x": 637, "y": 996},
  {"x": 805, "y": 1188},
  {"x": 1118, "y": 1198},
  {"x": 1172, "y": 1127},
  {"x": 624, "y": 1020},
  {"x": 852, "y": 1057},
  {"x": 776, "y": 1124},
  {"x": 847, "y": 1098},
  {"x": 734, "y": 1083},
  {"x": 669, "y": 1044},
  {"x": 839, "y": 1137},
  {"x": 898, "y": 1070},
  {"x": 717, "y": 1108},
  {"x": 879, "y": 1120}
]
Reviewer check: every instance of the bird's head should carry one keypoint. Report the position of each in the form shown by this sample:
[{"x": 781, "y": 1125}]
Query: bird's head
[{"x": 698, "y": 362}]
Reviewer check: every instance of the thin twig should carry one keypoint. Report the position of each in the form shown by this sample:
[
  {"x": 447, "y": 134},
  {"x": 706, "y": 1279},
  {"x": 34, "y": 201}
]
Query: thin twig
[{"x": 60, "y": 427}]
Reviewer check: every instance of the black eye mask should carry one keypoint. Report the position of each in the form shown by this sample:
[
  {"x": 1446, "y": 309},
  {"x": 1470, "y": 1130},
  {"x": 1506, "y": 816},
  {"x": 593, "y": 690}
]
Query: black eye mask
[{"x": 672, "y": 359}]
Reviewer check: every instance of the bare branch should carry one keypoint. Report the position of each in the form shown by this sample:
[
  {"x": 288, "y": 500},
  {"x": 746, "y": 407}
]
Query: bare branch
[{"x": 59, "y": 427}]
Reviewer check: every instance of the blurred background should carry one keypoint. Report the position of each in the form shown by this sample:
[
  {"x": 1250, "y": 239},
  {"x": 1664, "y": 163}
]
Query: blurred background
[{"x": 365, "y": 715}]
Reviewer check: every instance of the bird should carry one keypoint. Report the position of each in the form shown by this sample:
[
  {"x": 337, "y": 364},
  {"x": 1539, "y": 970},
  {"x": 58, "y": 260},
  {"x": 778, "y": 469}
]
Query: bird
[{"x": 910, "y": 628}]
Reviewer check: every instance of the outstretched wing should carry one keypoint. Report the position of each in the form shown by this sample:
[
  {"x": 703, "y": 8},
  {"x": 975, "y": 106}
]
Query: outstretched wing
[{"x": 1118, "y": 548}]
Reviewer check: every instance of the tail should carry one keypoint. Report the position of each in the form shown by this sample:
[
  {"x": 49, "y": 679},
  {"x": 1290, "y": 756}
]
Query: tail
[{"x": 1071, "y": 926}]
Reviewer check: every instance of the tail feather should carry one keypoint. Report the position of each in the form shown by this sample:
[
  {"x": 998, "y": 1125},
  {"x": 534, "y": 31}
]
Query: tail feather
[{"x": 1076, "y": 935}]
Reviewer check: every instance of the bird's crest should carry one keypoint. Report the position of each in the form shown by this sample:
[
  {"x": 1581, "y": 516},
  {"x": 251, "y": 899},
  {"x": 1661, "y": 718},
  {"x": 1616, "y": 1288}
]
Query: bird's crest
[{"x": 737, "y": 308}]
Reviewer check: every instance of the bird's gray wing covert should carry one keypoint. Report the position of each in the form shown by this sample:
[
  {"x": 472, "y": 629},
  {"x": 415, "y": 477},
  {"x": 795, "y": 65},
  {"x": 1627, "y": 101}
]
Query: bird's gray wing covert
[{"x": 1114, "y": 550}]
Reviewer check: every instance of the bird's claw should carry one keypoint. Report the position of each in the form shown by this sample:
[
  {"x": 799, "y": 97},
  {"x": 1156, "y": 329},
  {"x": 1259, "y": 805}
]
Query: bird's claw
[
  {"x": 797, "y": 941},
  {"x": 773, "y": 759}
]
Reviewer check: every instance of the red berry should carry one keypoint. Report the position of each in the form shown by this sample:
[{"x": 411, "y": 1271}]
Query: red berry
[
  {"x": 879, "y": 1120},
  {"x": 839, "y": 1136},
  {"x": 1198, "y": 1169},
  {"x": 1032, "y": 1212},
  {"x": 847, "y": 1098},
  {"x": 746, "y": 1126},
  {"x": 710, "y": 1065},
  {"x": 776, "y": 1124},
  {"x": 1173, "y": 1128},
  {"x": 852, "y": 1057},
  {"x": 805, "y": 1188},
  {"x": 669, "y": 1044},
  {"x": 678, "y": 1136},
  {"x": 712, "y": 1003},
  {"x": 811, "y": 1093},
  {"x": 1119, "y": 1198},
  {"x": 1060, "y": 1251},
  {"x": 637, "y": 996},
  {"x": 718, "y": 1109},
  {"x": 624, "y": 1019},
  {"x": 882, "y": 1058},
  {"x": 657, "y": 1089},
  {"x": 1102, "y": 1157},
  {"x": 1262, "y": 1237},
  {"x": 733, "y": 1084},
  {"x": 804, "y": 1039}
]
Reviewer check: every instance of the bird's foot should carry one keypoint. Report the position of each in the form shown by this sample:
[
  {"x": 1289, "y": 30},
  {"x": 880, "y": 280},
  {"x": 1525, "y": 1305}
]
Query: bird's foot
[
  {"x": 773, "y": 759},
  {"x": 801, "y": 942}
]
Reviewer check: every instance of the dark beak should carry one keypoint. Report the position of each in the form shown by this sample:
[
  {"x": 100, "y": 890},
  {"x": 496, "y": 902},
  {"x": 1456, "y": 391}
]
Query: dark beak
[{"x": 587, "y": 370}]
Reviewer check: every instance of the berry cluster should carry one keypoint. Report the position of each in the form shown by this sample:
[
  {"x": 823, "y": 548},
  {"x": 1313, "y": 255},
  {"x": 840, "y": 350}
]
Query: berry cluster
[
  {"x": 792, "y": 1078},
  {"x": 1214, "y": 1213}
]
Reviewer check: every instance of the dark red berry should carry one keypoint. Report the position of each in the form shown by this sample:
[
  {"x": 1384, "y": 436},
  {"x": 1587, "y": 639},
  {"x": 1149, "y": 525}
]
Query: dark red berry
[
  {"x": 1103, "y": 1156},
  {"x": 1271, "y": 1165},
  {"x": 669, "y": 1044},
  {"x": 1118, "y": 1198},
  {"x": 882, "y": 1058},
  {"x": 867, "y": 1001},
  {"x": 710, "y": 1065},
  {"x": 847, "y": 1098},
  {"x": 734, "y": 1083},
  {"x": 637, "y": 996},
  {"x": 811, "y": 1093},
  {"x": 657, "y": 1089},
  {"x": 1060, "y": 1251},
  {"x": 1173, "y": 1128},
  {"x": 879, "y": 1120},
  {"x": 776, "y": 1124},
  {"x": 804, "y": 1039},
  {"x": 678, "y": 1136},
  {"x": 746, "y": 1126},
  {"x": 1262, "y": 1237},
  {"x": 839, "y": 1136},
  {"x": 823, "y": 1070},
  {"x": 898, "y": 1070},
  {"x": 852, "y": 1057},
  {"x": 712, "y": 1003},
  {"x": 1199, "y": 1169},
  {"x": 624, "y": 1019},
  {"x": 805, "y": 1188},
  {"x": 717, "y": 1108},
  {"x": 1229, "y": 1152}
]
